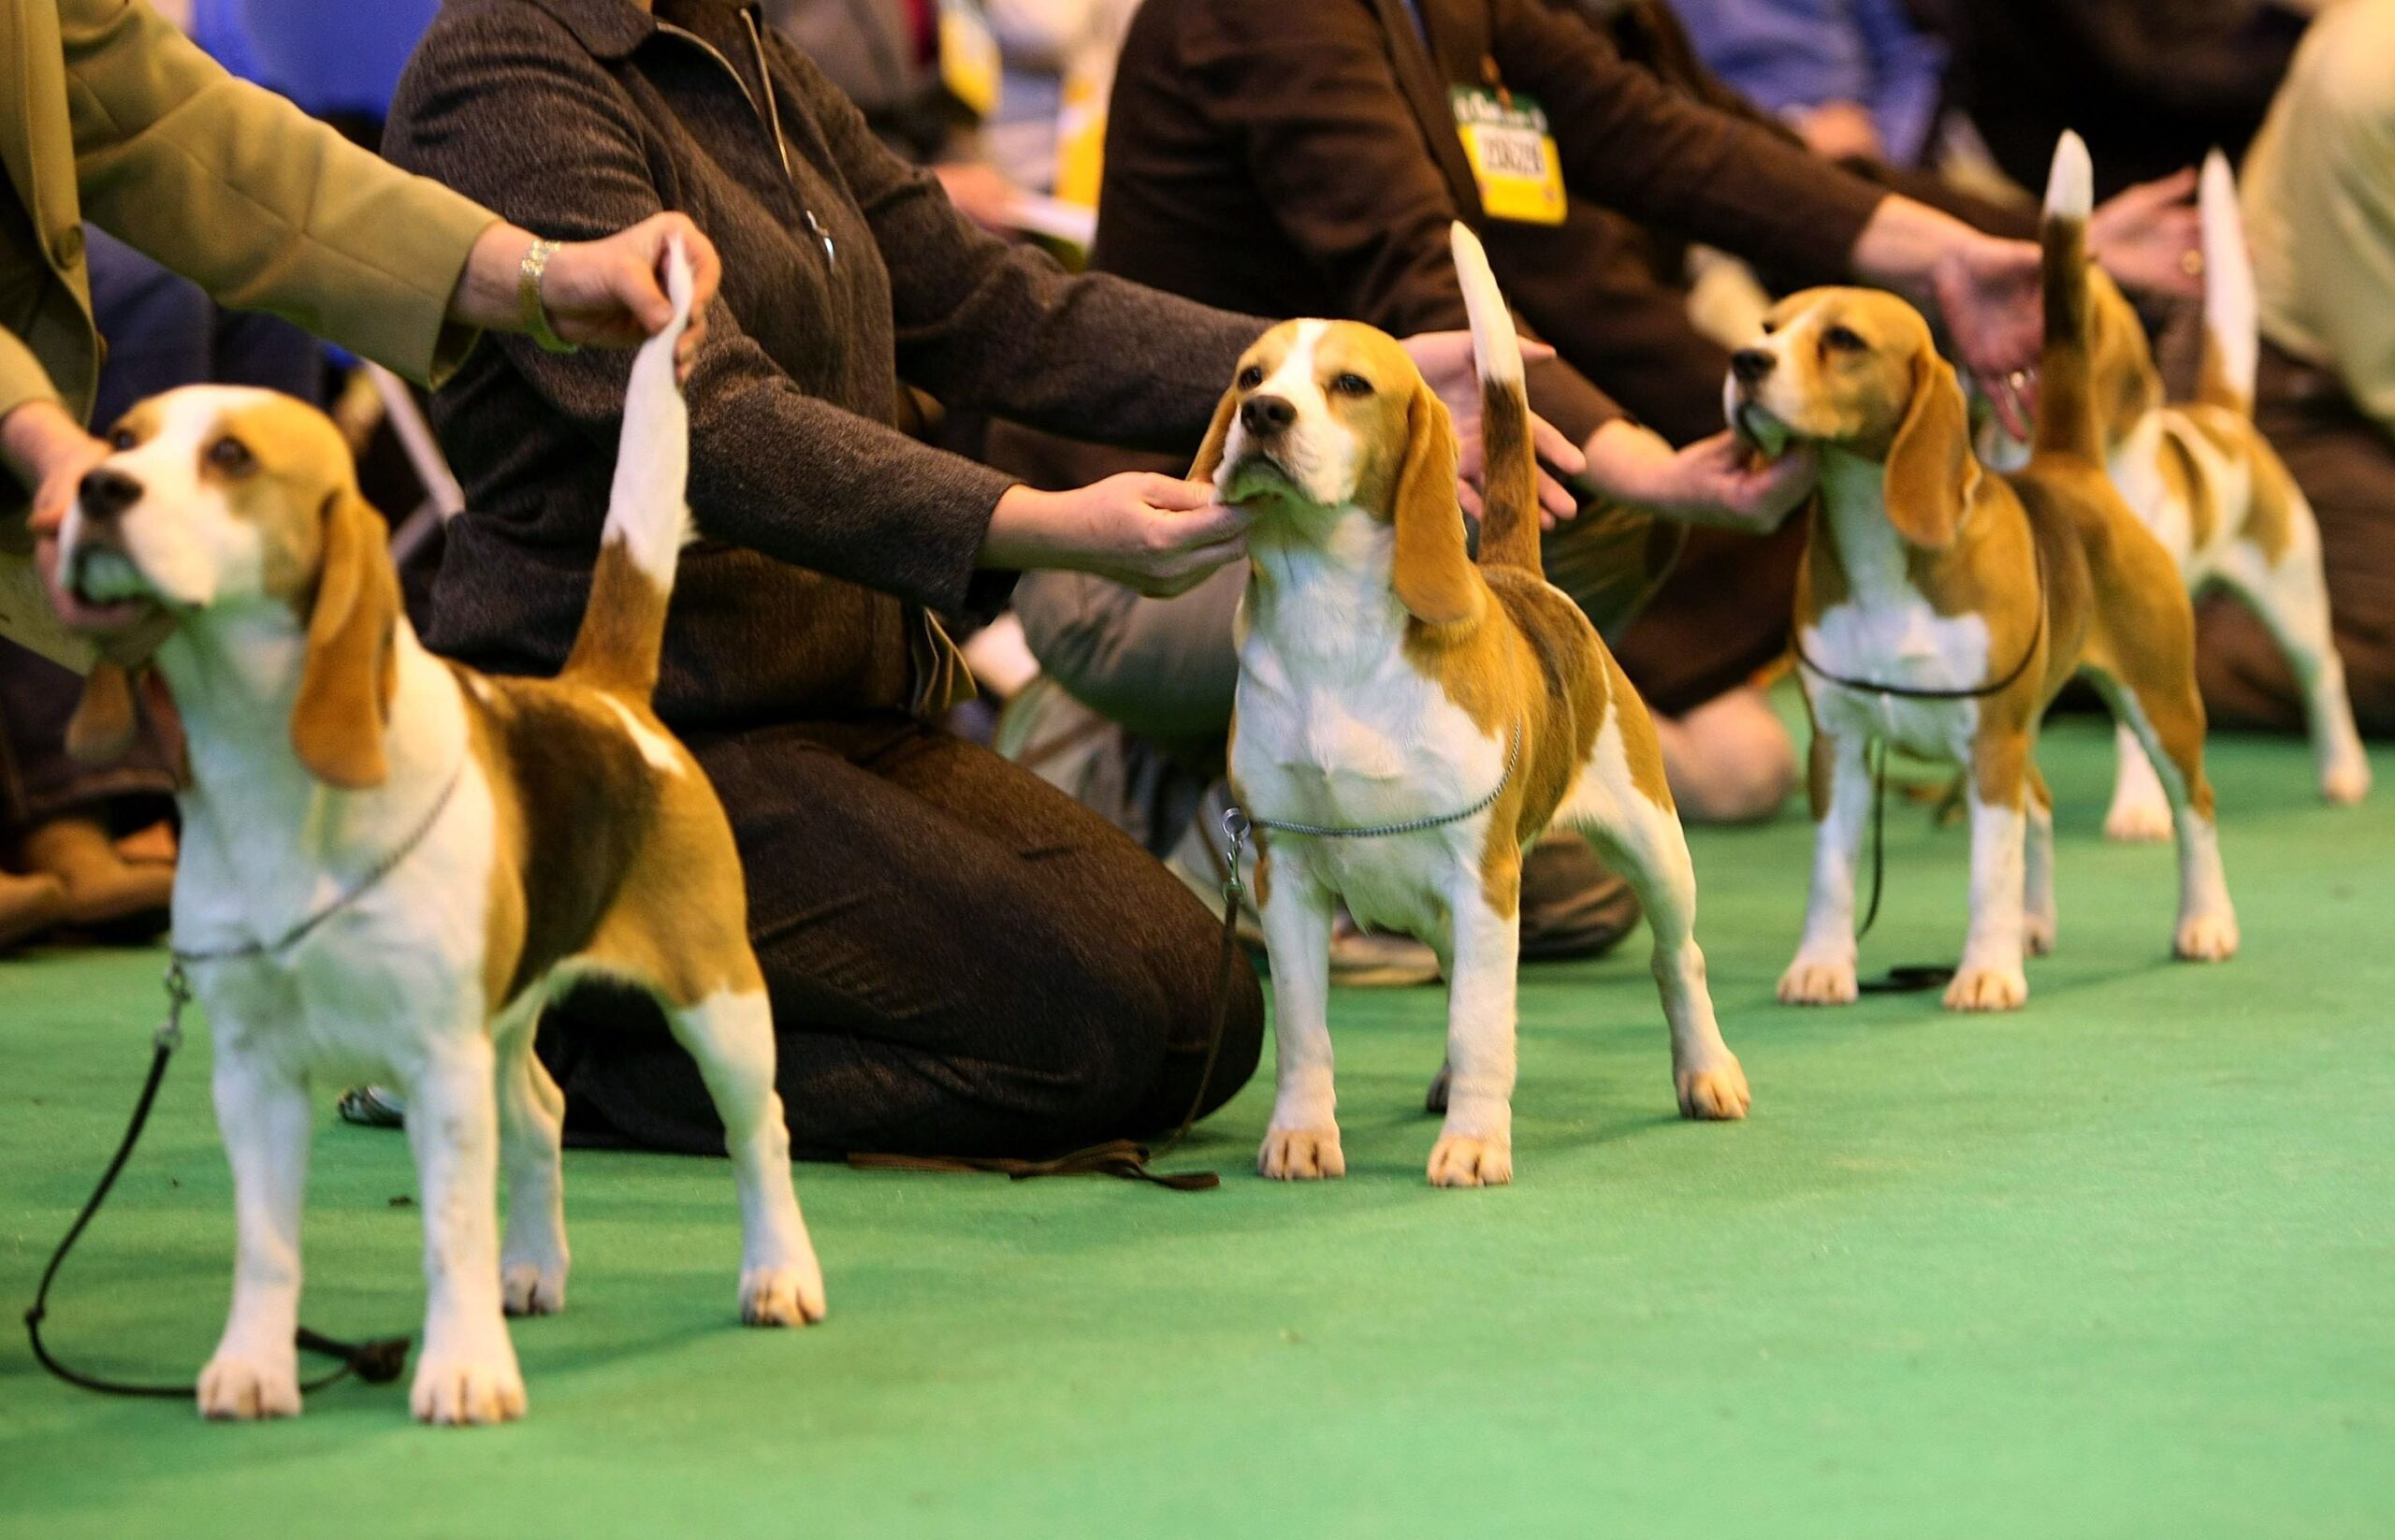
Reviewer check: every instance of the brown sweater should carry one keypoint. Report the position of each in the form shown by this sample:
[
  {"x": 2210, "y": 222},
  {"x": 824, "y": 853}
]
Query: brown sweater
[
  {"x": 825, "y": 533},
  {"x": 1301, "y": 153}
]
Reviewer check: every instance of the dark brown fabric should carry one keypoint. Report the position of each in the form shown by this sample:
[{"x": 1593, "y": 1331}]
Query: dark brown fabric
[
  {"x": 2345, "y": 464},
  {"x": 826, "y": 531},
  {"x": 1302, "y": 159},
  {"x": 2149, "y": 84},
  {"x": 963, "y": 961}
]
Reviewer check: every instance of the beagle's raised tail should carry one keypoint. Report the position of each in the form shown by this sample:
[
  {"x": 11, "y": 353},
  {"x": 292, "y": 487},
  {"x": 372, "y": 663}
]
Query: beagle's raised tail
[
  {"x": 2232, "y": 341},
  {"x": 648, "y": 517},
  {"x": 2065, "y": 417},
  {"x": 1509, "y": 496}
]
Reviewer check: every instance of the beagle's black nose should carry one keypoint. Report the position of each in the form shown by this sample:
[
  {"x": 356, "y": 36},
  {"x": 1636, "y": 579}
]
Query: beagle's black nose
[
  {"x": 1265, "y": 416},
  {"x": 1749, "y": 365},
  {"x": 107, "y": 493}
]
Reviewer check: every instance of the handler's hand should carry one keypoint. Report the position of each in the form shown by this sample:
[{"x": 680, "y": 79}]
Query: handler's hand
[
  {"x": 1158, "y": 534},
  {"x": 1444, "y": 358},
  {"x": 2150, "y": 238},
  {"x": 607, "y": 292},
  {"x": 1713, "y": 480},
  {"x": 1988, "y": 291}
]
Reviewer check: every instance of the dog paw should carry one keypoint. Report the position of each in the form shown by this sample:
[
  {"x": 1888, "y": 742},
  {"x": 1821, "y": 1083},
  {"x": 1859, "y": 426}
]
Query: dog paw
[
  {"x": 457, "y": 1392},
  {"x": 1714, "y": 1093},
  {"x": 2037, "y": 934},
  {"x": 2206, "y": 937},
  {"x": 1300, "y": 1154},
  {"x": 1983, "y": 988},
  {"x": 2345, "y": 784},
  {"x": 786, "y": 1294},
  {"x": 1826, "y": 981},
  {"x": 531, "y": 1289},
  {"x": 1467, "y": 1160},
  {"x": 2139, "y": 823},
  {"x": 238, "y": 1389}
]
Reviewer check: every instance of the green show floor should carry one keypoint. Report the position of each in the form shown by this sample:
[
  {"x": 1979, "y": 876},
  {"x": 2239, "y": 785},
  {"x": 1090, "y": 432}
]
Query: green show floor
[{"x": 2122, "y": 1264}]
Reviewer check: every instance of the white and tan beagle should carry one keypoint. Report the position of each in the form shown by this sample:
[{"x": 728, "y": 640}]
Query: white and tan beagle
[
  {"x": 2209, "y": 485},
  {"x": 1941, "y": 604},
  {"x": 1388, "y": 683},
  {"x": 391, "y": 863}
]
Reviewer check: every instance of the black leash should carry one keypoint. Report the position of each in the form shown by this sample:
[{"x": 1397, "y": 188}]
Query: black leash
[
  {"x": 1911, "y": 977},
  {"x": 1125, "y": 1158},
  {"x": 377, "y": 1362}
]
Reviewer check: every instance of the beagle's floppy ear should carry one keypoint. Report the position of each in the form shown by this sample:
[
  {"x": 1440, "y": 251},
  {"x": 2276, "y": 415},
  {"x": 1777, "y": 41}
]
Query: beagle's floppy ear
[
  {"x": 1210, "y": 454},
  {"x": 101, "y": 730},
  {"x": 1930, "y": 470},
  {"x": 351, "y": 670},
  {"x": 1434, "y": 576}
]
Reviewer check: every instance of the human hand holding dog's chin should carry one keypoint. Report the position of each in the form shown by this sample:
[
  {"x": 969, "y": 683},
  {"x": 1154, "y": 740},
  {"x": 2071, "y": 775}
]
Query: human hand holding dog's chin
[
  {"x": 1161, "y": 535},
  {"x": 1721, "y": 481}
]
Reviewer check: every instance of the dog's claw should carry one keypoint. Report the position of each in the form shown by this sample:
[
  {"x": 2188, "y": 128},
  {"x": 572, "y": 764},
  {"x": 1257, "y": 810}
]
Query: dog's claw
[
  {"x": 2206, "y": 938},
  {"x": 1300, "y": 1154},
  {"x": 1983, "y": 988},
  {"x": 788, "y": 1295},
  {"x": 1716, "y": 1093},
  {"x": 1468, "y": 1160},
  {"x": 466, "y": 1392},
  {"x": 1830, "y": 981},
  {"x": 528, "y": 1288},
  {"x": 238, "y": 1389}
]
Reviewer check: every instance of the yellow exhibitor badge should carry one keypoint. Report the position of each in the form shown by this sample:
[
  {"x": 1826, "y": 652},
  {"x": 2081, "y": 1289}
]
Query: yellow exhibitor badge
[
  {"x": 1512, "y": 155},
  {"x": 968, "y": 57}
]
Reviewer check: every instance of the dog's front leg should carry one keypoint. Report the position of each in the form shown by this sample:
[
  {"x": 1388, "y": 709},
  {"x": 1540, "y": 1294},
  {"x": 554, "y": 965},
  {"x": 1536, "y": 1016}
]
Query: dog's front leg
[
  {"x": 263, "y": 1114},
  {"x": 1990, "y": 977},
  {"x": 467, "y": 1372},
  {"x": 1823, "y": 971},
  {"x": 1302, "y": 1141},
  {"x": 1475, "y": 1147}
]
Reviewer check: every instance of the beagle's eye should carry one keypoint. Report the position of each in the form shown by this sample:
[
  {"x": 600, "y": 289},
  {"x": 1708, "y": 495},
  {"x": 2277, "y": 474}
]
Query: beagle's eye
[
  {"x": 122, "y": 437},
  {"x": 1351, "y": 384},
  {"x": 1251, "y": 376},
  {"x": 230, "y": 454},
  {"x": 1843, "y": 339}
]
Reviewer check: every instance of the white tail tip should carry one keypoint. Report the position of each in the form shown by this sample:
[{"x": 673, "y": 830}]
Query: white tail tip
[
  {"x": 2231, "y": 312},
  {"x": 2070, "y": 186},
  {"x": 1496, "y": 349}
]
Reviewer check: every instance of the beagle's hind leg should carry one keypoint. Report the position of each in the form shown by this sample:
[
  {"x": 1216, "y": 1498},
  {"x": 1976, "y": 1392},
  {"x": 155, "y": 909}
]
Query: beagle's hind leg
[
  {"x": 2291, "y": 598},
  {"x": 2141, "y": 809},
  {"x": 1622, "y": 807},
  {"x": 2158, "y": 703},
  {"x": 730, "y": 1032},
  {"x": 2037, "y": 901},
  {"x": 532, "y": 1255}
]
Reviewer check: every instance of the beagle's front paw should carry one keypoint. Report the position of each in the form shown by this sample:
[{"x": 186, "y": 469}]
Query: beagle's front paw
[
  {"x": 237, "y": 1390},
  {"x": 1471, "y": 1160},
  {"x": 1714, "y": 1093},
  {"x": 1981, "y": 987},
  {"x": 788, "y": 1295},
  {"x": 462, "y": 1391},
  {"x": 1823, "y": 981},
  {"x": 1302, "y": 1155},
  {"x": 2206, "y": 937}
]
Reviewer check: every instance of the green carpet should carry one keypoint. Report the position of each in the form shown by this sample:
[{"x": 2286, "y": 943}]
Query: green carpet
[{"x": 2118, "y": 1265}]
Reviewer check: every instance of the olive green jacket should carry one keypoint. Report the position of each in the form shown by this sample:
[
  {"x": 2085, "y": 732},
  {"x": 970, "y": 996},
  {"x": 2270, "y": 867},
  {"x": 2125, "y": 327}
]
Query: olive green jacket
[{"x": 108, "y": 113}]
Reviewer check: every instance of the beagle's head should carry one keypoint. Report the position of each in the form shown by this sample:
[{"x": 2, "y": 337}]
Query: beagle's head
[
  {"x": 1857, "y": 369},
  {"x": 217, "y": 498},
  {"x": 1330, "y": 417}
]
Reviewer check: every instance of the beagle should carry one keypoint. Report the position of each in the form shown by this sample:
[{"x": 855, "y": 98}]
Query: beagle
[
  {"x": 1940, "y": 605},
  {"x": 1407, "y": 722},
  {"x": 2209, "y": 487},
  {"x": 391, "y": 863}
]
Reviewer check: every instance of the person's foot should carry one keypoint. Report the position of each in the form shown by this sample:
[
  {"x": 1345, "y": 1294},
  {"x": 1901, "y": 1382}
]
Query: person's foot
[
  {"x": 1729, "y": 761},
  {"x": 1574, "y": 906},
  {"x": 103, "y": 888},
  {"x": 28, "y": 907}
]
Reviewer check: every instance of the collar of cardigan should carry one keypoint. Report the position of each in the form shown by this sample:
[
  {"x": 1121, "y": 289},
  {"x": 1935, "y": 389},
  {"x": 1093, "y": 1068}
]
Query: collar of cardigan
[{"x": 606, "y": 29}]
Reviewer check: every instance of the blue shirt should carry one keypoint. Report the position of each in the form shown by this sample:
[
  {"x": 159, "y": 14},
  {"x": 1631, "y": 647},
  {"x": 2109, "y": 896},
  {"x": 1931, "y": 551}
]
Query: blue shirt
[{"x": 1787, "y": 55}]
